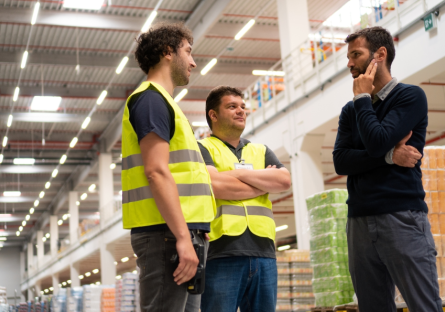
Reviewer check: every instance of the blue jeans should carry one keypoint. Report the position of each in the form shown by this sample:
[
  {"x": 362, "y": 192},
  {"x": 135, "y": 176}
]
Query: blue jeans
[{"x": 249, "y": 283}]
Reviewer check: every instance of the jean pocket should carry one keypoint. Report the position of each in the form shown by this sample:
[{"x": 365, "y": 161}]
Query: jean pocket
[{"x": 417, "y": 218}]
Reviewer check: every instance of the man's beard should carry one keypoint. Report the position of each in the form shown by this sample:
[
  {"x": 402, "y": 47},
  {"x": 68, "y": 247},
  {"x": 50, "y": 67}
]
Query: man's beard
[{"x": 179, "y": 72}]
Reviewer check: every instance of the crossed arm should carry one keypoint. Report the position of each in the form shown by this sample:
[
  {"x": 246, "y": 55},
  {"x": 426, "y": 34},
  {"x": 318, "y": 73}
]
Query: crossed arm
[{"x": 245, "y": 184}]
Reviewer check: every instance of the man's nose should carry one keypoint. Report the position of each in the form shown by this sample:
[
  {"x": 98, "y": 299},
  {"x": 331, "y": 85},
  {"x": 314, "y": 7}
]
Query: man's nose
[
  {"x": 192, "y": 63},
  {"x": 350, "y": 64}
]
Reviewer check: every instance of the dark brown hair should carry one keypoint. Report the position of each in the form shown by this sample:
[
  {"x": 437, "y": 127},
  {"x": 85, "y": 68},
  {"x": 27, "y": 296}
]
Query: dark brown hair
[
  {"x": 376, "y": 37},
  {"x": 214, "y": 99},
  {"x": 158, "y": 41}
]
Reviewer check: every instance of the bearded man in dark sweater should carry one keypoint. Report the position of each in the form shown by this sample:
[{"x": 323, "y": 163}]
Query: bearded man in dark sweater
[{"x": 380, "y": 141}]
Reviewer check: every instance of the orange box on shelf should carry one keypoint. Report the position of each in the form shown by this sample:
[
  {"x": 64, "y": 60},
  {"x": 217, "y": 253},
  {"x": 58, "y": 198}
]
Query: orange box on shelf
[
  {"x": 442, "y": 264},
  {"x": 426, "y": 180},
  {"x": 434, "y": 221},
  {"x": 440, "y": 155},
  {"x": 439, "y": 267},
  {"x": 441, "y": 180},
  {"x": 435, "y": 202},
  {"x": 433, "y": 180},
  {"x": 432, "y": 158},
  {"x": 428, "y": 201},
  {"x": 441, "y": 202},
  {"x": 438, "y": 242}
]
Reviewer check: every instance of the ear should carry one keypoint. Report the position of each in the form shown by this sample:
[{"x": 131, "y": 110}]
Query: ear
[
  {"x": 213, "y": 116},
  {"x": 169, "y": 54},
  {"x": 381, "y": 54}
]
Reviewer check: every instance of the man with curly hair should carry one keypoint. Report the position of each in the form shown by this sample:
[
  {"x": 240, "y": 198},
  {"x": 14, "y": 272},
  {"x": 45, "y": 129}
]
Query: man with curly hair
[{"x": 166, "y": 192}]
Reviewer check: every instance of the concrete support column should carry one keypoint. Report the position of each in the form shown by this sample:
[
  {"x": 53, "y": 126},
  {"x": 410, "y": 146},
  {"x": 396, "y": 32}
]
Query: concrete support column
[
  {"x": 293, "y": 22},
  {"x": 38, "y": 289},
  {"x": 107, "y": 266},
  {"x": 74, "y": 274},
  {"x": 54, "y": 238},
  {"x": 30, "y": 294},
  {"x": 55, "y": 278},
  {"x": 74, "y": 216},
  {"x": 307, "y": 179},
  {"x": 40, "y": 249},
  {"x": 30, "y": 258},
  {"x": 22, "y": 266},
  {"x": 106, "y": 191}
]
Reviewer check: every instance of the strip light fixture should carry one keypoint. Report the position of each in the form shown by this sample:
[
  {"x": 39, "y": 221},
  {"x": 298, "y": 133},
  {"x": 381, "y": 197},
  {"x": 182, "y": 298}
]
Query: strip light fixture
[
  {"x": 62, "y": 159},
  {"x": 1, "y": 158},
  {"x": 209, "y": 66},
  {"x": 42, "y": 194},
  {"x": 73, "y": 142},
  {"x": 150, "y": 20},
  {"x": 9, "y": 123},
  {"x": 24, "y": 59},
  {"x": 24, "y": 161},
  {"x": 55, "y": 172},
  {"x": 245, "y": 29},
  {"x": 180, "y": 95},
  {"x": 47, "y": 185},
  {"x": 11, "y": 193},
  {"x": 86, "y": 122},
  {"x": 102, "y": 97},
  {"x": 285, "y": 247},
  {"x": 122, "y": 65},
  {"x": 5, "y": 141},
  {"x": 16, "y": 94},
  {"x": 35, "y": 13}
]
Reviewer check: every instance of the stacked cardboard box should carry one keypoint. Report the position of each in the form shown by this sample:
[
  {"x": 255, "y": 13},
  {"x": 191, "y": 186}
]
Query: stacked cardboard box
[
  {"x": 92, "y": 298},
  {"x": 332, "y": 283},
  {"x": 108, "y": 300},
  {"x": 126, "y": 293},
  {"x": 433, "y": 179}
]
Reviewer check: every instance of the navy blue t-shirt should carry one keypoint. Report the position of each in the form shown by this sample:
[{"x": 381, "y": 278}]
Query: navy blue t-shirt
[{"x": 149, "y": 112}]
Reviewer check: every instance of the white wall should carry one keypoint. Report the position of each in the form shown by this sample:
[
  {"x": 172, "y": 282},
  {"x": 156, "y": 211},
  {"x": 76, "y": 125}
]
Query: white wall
[{"x": 10, "y": 271}]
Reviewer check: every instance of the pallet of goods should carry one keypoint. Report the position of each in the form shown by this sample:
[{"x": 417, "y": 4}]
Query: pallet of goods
[
  {"x": 331, "y": 283},
  {"x": 294, "y": 281},
  {"x": 126, "y": 293},
  {"x": 108, "y": 300}
]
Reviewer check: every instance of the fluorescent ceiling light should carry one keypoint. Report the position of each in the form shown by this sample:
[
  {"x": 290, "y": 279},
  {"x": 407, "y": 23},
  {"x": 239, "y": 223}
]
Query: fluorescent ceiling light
[
  {"x": 285, "y": 247},
  {"x": 86, "y": 122},
  {"x": 244, "y": 29},
  {"x": 92, "y": 187},
  {"x": 47, "y": 235},
  {"x": 122, "y": 65},
  {"x": 135, "y": 272},
  {"x": 44, "y": 238},
  {"x": 125, "y": 259},
  {"x": 46, "y": 103},
  {"x": 97, "y": 283},
  {"x": 36, "y": 203},
  {"x": 16, "y": 94},
  {"x": 17, "y": 233},
  {"x": 9, "y": 123},
  {"x": 180, "y": 95},
  {"x": 83, "y": 4},
  {"x": 55, "y": 172},
  {"x": 83, "y": 196},
  {"x": 101, "y": 97},
  {"x": 73, "y": 142},
  {"x": 23, "y": 223},
  {"x": 51, "y": 288},
  {"x": 88, "y": 274},
  {"x": 199, "y": 124},
  {"x": 27, "y": 217},
  {"x": 64, "y": 283},
  {"x": 20, "y": 228},
  {"x": 209, "y": 66},
  {"x": 149, "y": 21},
  {"x": 68, "y": 281},
  {"x": 35, "y": 13},
  {"x": 281, "y": 228},
  {"x": 62, "y": 159},
  {"x": 81, "y": 276},
  {"x": 24, "y": 58},
  {"x": 95, "y": 271},
  {"x": 60, "y": 222},
  {"x": 31, "y": 210},
  {"x": 47, "y": 185},
  {"x": 5, "y": 141},
  {"x": 77, "y": 203},
  {"x": 268, "y": 73},
  {"x": 118, "y": 277},
  {"x": 24, "y": 161},
  {"x": 3, "y": 238},
  {"x": 112, "y": 166},
  {"x": 1, "y": 158},
  {"x": 64, "y": 217},
  {"x": 42, "y": 193},
  {"x": 11, "y": 193}
]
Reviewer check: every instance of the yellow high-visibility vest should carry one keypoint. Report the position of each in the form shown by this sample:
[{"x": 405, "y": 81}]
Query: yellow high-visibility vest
[
  {"x": 186, "y": 166},
  {"x": 234, "y": 216}
]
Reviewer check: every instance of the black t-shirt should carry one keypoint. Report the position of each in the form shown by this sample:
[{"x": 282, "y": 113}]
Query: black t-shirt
[
  {"x": 246, "y": 244},
  {"x": 149, "y": 112}
]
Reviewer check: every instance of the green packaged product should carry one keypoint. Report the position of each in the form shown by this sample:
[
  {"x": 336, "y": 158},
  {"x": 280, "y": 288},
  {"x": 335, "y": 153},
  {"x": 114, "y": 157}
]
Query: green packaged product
[
  {"x": 331, "y": 299},
  {"x": 332, "y": 225},
  {"x": 330, "y": 284},
  {"x": 331, "y": 269},
  {"x": 337, "y": 239},
  {"x": 335, "y": 196},
  {"x": 328, "y": 211},
  {"x": 327, "y": 255}
]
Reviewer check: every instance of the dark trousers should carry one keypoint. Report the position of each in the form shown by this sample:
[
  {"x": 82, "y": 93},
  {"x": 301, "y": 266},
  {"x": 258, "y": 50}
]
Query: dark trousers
[
  {"x": 158, "y": 291},
  {"x": 396, "y": 248}
]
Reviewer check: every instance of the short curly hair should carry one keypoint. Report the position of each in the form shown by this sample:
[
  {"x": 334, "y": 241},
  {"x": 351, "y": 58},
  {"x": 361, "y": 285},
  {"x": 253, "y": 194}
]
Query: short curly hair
[{"x": 156, "y": 43}]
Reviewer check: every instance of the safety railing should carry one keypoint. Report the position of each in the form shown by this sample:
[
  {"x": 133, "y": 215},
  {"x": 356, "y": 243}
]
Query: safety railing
[{"x": 323, "y": 55}]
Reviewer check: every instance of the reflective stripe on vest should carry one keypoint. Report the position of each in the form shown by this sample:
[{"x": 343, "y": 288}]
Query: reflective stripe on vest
[
  {"x": 240, "y": 211},
  {"x": 144, "y": 192},
  {"x": 175, "y": 157}
]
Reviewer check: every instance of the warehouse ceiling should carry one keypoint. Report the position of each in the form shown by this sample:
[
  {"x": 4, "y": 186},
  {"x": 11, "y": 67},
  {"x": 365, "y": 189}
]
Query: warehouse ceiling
[{"x": 74, "y": 54}]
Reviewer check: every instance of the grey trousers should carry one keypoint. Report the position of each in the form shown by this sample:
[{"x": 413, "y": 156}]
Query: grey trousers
[
  {"x": 158, "y": 291},
  {"x": 396, "y": 248}
]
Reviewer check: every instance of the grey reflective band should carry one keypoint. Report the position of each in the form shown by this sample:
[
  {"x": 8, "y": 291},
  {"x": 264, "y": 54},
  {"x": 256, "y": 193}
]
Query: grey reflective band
[
  {"x": 239, "y": 211},
  {"x": 184, "y": 156},
  {"x": 179, "y": 156},
  {"x": 132, "y": 161},
  {"x": 141, "y": 193}
]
